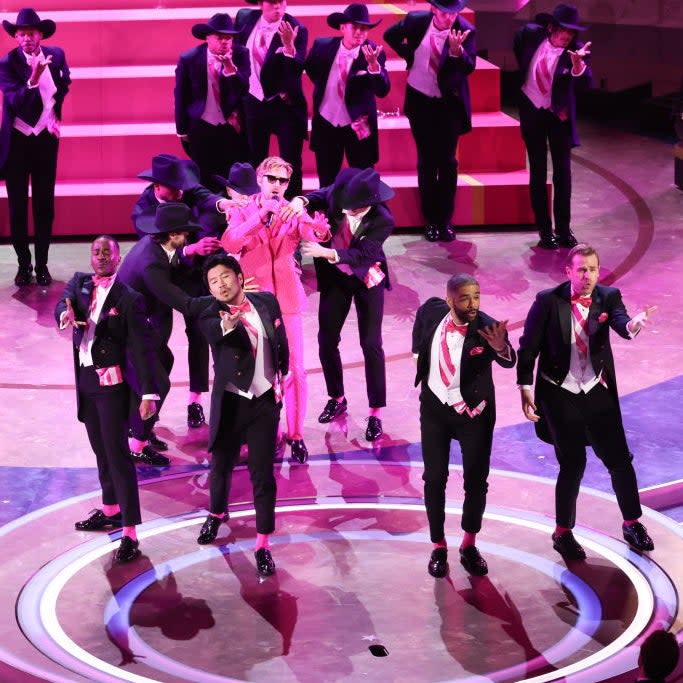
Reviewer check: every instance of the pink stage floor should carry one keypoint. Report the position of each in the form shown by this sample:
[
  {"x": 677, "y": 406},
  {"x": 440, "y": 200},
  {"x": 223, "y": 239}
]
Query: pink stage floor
[{"x": 351, "y": 543}]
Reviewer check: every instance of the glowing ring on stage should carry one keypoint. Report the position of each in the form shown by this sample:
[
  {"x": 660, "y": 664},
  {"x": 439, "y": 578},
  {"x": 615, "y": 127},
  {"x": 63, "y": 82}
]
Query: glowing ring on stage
[{"x": 36, "y": 608}]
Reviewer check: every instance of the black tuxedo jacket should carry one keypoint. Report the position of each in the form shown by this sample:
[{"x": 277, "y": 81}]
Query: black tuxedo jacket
[
  {"x": 526, "y": 42},
  {"x": 362, "y": 87},
  {"x": 280, "y": 74},
  {"x": 191, "y": 86},
  {"x": 366, "y": 247},
  {"x": 122, "y": 335},
  {"x": 232, "y": 353},
  {"x": 547, "y": 334},
  {"x": 22, "y": 101},
  {"x": 147, "y": 270},
  {"x": 405, "y": 37},
  {"x": 476, "y": 380}
]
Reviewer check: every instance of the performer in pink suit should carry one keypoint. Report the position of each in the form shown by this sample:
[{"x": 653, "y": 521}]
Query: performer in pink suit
[{"x": 265, "y": 235}]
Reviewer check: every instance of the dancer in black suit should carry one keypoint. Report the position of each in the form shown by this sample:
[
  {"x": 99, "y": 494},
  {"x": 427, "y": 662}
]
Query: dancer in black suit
[
  {"x": 440, "y": 54},
  {"x": 34, "y": 81},
  {"x": 148, "y": 269},
  {"x": 275, "y": 104},
  {"x": 552, "y": 65},
  {"x": 112, "y": 350},
  {"x": 348, "y": 74},
  {"x": 455, "y": 344},
  {"x": 352, "y": 267},
  {"x": 211, "y": 81},
  {"x": 250, "y": 354},
  {"x": 576, "y": 401}
]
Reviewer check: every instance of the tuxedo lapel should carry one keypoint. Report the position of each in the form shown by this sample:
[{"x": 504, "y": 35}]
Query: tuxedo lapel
[
  {"x": 594, "y": 311},
  {"x": 85, "y": 294},
  {"x": 564, "y": 311}
]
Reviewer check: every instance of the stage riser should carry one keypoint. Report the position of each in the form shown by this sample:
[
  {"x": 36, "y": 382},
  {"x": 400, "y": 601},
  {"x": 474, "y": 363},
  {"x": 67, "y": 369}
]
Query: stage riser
[{"x": 143, "y": 99}]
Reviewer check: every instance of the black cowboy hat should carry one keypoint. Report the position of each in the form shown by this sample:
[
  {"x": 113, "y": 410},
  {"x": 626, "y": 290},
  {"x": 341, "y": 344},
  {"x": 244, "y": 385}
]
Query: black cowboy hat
[
  {"x": 28, "y": 18},
  {"x": 364, "y": 189},
  {"x": 220, "y": 23},
  {"x": 241, "y": 178},
  {"x": 357, "y": 13},
  {"x": 172, "y": 171},
  {"x": 169, "y": 217},
  {"x": 449, "y": 5},
  {"x": 563, "y": 15}
]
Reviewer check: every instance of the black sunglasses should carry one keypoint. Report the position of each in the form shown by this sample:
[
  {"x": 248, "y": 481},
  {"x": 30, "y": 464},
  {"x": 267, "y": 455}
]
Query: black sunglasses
[{"x": 276, "y": 179}]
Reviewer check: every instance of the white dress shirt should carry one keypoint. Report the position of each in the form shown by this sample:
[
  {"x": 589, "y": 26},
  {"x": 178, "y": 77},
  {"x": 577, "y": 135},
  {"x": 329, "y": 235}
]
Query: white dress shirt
[
  {"x": 333, "y": 107},
  {"x": 47, "y": 88},
  {"x": 421, "y": 77}
]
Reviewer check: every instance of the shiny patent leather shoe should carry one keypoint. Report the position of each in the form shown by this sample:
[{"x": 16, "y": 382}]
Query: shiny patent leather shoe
[
  {"x": 150, "y": 457},
  {"x": 332, "y": 409},
  {"x": 568, "y": 546},
  {"x": 374, "y": 429},
  {"x": 23, "y": 276},
  {"x": 98, "y": 520},
  {"x": 299, "y": 450},
  {"x": 446, "y": 233},
  {"x": 547, "y": 242},
  {"x": 432, "y": 233},
  {"x": 43, "y": 277},
  {"x": 264, "y": 562},
  {"x": 209, "y": 530},
  {"x": 156, "y": 443},
  {"x": 636, "y": 535},
  {"x": 474, "y": 563},
  {"x": 195, "y": 416},
  {"x": 567, "y": 240},
  {"x": 128, "y": 551},
  {"x": 438, "y": 563}
]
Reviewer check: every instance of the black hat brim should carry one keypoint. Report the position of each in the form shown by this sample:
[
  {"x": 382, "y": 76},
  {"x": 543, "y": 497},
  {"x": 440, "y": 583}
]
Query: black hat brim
[
  {"x": 226, "y": 182},
  {"x": 336, "y": 19},
  {"x": 201, "y": 31},
  {"x": 543, "y": 19},
  {"x": 451, "y": 7},
  {"x": 47, "y": 27},
  {"x": 147, "y": 225},
  {"x": 385, "y": 193}
]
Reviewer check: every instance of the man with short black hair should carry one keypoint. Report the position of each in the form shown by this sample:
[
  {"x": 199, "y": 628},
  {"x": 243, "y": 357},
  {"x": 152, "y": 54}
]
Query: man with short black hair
[
  {"x": 455, "y": 345},
  {"x": 659, "y": 655},
  {"x": 576, "y": 401}
]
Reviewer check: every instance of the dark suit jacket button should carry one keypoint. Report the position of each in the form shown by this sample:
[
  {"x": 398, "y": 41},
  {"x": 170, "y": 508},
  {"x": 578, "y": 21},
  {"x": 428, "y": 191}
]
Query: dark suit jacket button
[
  {"x": 238, "y": 373},
  {"x": 237, "y": 356}
]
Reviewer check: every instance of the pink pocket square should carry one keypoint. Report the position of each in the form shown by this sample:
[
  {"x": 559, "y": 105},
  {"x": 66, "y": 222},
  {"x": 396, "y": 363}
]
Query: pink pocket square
[
  {"x": 113, "y": 311},
  {"x": 276, "y": 323},
  {"x": 602, "y": 317},
  {"x": 477, "y": 350}
]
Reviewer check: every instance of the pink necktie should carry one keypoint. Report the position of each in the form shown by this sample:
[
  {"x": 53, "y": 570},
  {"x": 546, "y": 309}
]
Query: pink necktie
[
  {"x": 446, "y": 365},
  {"x": 252, "y": 332},
  {"x": 434, "y": 55},
  {"x": 580, "y": 333},
  {"x": 341, "y": 240},
  {"x": 343, "y": 76},
  {"x": 260, "y": 49},
  {"x": 543, "y": 76},
  {"x": 214, "y": 69}
]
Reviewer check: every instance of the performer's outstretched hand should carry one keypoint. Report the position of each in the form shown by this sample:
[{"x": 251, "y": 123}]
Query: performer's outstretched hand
[
  {"x": 288, "y": 36},
  {"x": 251, "y": 285},
  {"x": 371, "y": 55},
  {"x": 578, "y": 55},
  {"x": 455, "y": 40},
  {"x": 640, "y": 320},
  {"x": 315, "y": 250},
  {"x": 295, "y": 209},
  {"x": 70, "y": 316},
  {"x": 495, "y": 335},
  {"x": 528, "y": 405},
  {"x": 147, "y": 408},
  {"x": 229, "y": 320}
]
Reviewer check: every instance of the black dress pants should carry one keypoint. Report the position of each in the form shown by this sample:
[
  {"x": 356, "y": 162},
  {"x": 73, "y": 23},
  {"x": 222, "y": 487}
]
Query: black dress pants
[
  {"x": 254, "y": 422},
  {"x": 435, "y": 125},
  {"x": 439, "y": 423},
  {"x": 34, "y": 157},
  {"x": 335, "y": 303},
  {"x": 105, "y": 413},
  {"x": 572, "y": 417}
]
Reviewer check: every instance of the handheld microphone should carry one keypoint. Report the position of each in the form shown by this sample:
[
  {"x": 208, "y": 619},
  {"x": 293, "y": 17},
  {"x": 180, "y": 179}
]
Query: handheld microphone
[{"x": 271, "y": 215}]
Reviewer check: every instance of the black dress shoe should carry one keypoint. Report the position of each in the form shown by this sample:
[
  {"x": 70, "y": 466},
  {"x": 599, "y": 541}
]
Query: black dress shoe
[
  {"x": 438, "y": 563},
  {"x": 156, "y": 443},
  {"x": 299, "y": 450},
  {"x": 637, "y": 536},
  {"x": 98, "y": 520},
  {"x": 23, "y": 276},
  {"x": 331, "y": 410},
  {"x": 568, "y": 546},
  {"x": 209, "y": 530},
  {"x": 374, "y": 429},
  {"x": 150, "y": 457},
  {"x": 446, "y": 233},
  {"x": 547, "y": 242},
  {"x": 43, "y": 277},
  {"x": 128, "y": 551},
  {"x": 432, "y": 233},
  {"x": 567, "y": 240},
  {"x": 195, "y": 415},
  {"x": 264, "y": 562},
  {"x": 474, "y": 563}
]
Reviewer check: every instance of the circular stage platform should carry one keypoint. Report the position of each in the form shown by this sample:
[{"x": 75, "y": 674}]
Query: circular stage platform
[{"x": 351, "y": 599}]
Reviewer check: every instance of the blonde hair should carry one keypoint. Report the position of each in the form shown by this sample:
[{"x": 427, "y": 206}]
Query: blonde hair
[{"x": 271, "y": 163}]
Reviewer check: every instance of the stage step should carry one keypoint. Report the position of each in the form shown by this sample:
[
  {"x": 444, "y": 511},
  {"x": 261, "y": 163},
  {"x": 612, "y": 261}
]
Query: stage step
[
  {"x": 145, "y": 93},
  {"x": 94, "y": 207}
]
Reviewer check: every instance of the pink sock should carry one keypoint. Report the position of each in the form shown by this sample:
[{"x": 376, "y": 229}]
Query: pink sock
[
  {"x": 262, "y": 541},
  {"x": 194, "y": 397},
  {"x": 630, "y": 522},
  {"x": 220, "y": 515},
  {"x": 111, "y": 510},
  {"x": 136, "y": 445},
  {"x": 468, "y": 539},
  {"x": 339, "y": 399},
  {"x": 130, "y": 532},
  {"x": 441, "y": 544},
  {"x": 559, "y": 530},
  {"x": 375, "y": 412}
]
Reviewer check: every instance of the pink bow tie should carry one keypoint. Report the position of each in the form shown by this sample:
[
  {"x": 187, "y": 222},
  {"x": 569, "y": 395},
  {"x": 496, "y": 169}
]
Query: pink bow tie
[
  {"x": 102, "y": 281},
  {"x": 583, "y": 300},
  {"x": 452, "y": 326},
  {"x": 244, "y": 307}
]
